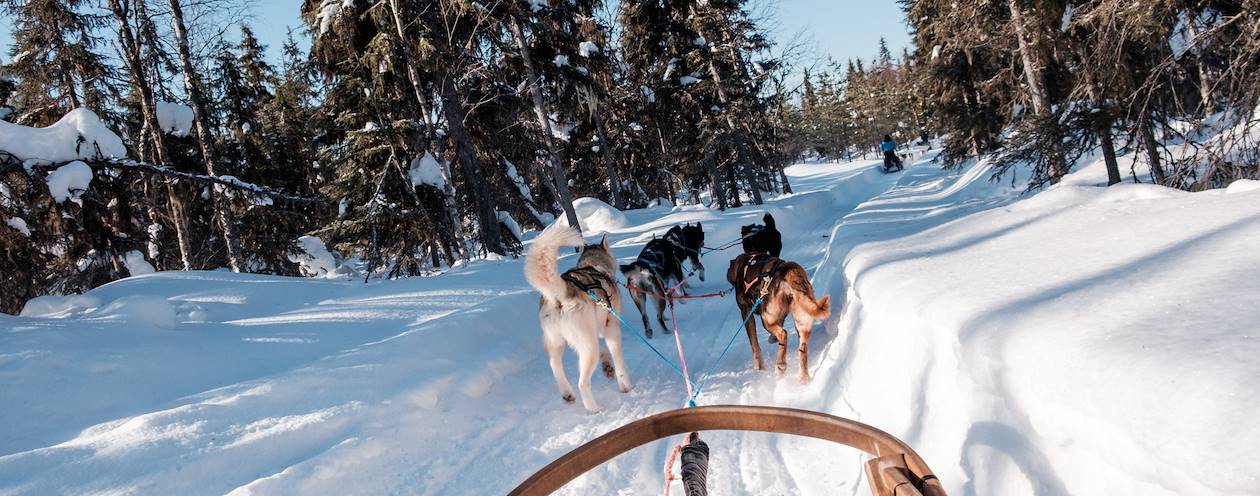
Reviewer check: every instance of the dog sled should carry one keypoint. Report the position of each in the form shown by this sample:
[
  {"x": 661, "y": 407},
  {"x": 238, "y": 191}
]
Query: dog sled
[{"x": 894, "y": 470}]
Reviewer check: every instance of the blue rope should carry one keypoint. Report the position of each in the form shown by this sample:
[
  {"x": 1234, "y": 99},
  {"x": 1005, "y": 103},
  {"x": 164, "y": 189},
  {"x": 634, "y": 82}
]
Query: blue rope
[
  {"x": 639, "y": 335},
  {"x": 705, "y": 376}
]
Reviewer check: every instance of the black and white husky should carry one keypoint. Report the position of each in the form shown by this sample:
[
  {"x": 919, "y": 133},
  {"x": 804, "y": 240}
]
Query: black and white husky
[{"x": 659, "y": 268}]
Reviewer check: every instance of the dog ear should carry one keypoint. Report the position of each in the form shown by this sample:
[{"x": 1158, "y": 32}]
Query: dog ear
[{"x": 604, "y": 241}]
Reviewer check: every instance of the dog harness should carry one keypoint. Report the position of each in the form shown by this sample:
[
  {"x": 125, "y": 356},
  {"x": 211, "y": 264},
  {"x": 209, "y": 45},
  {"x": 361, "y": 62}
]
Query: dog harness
[
  {"x": 589, "y": 279},
  {"x": 768, "y": 265}
]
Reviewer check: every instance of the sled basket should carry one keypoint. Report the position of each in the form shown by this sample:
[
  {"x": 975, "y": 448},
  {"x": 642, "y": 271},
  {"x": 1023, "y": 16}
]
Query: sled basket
[{"x": 895, "y": 470}]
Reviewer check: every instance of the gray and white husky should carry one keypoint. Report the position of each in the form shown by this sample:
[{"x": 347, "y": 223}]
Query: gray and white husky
[{"x": 569, "y": 315}]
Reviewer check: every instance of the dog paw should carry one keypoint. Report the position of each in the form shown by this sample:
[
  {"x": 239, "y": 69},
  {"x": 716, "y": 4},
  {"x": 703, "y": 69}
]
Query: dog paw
[
  {"x": 648, "y": 333},
  {"x": 626, "y": 388},
  {"x": 568, "y": 398},
  {"x": 805, "y": 379}
]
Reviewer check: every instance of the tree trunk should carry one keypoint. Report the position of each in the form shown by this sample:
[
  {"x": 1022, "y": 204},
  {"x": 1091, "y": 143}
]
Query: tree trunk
[
  {"x": 540, "y": 111},
  {"x": 614, "y": 180},
  {"x": 1206, "y": 103},
  {"x": 736, "y": 201},
  {"x": 433, "y": 144},
  {"x": 1033, "y": 57},
  {"x": 179, "y": 217},
  {"x": 201, "y": 125},
  {"x": 1147, "y": 136},
  {"x": 716, "y": 190},
  {"x": 152, "y": 144},
  {"x": 487, "y": 220}
]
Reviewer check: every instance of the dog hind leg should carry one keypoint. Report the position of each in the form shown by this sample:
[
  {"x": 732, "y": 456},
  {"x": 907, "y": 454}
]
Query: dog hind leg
[
  {"x": 588, "y": 357},
  {"x": 555, "y": 353},
  {"x": 612, "y": 339},
  {"x": 776, "y": 328}
]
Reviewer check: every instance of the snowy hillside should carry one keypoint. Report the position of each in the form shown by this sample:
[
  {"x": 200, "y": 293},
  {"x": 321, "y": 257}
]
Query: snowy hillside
[{"x": 1011, "y": 339}]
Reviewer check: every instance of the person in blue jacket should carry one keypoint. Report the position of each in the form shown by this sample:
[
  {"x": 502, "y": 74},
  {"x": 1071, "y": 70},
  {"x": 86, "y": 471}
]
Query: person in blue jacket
[{"x": 891, "y": 160}]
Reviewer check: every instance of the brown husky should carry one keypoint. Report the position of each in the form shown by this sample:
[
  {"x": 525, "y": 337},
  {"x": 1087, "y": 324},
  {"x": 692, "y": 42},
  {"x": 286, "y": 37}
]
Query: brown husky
[
  {"x": 784, "y": 290},
  {"x": 569, "y": 315}
]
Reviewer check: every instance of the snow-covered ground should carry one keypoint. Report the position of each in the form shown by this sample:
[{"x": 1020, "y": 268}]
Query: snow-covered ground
[{"x": 1082, "y": 340}]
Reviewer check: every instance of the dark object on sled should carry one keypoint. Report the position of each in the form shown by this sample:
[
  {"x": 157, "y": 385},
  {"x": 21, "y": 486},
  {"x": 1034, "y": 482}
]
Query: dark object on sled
[{"x": 896, "y": 469}]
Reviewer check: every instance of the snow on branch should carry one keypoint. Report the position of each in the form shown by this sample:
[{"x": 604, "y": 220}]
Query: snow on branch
[{"x": 10, "y": 165}]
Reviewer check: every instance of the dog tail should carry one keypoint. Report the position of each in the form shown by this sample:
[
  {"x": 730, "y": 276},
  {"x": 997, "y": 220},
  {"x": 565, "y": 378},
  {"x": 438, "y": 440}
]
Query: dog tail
[
  {"x": 540, "y": 263},
  {"x": 769, "y": 220},
  {"x": 819, "y": 309}
]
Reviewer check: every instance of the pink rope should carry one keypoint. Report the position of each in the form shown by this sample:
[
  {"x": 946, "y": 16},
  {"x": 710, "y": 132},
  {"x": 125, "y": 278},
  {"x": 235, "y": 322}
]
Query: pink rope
[{"x": 682, "y": 357}]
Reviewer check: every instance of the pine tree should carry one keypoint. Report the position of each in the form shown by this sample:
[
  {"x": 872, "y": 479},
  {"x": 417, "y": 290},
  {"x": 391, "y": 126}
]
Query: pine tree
[{"x": 55, "y": 61}]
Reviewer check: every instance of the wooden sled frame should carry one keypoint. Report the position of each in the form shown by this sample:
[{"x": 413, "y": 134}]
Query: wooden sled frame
[{"x": 896, "y": 469}]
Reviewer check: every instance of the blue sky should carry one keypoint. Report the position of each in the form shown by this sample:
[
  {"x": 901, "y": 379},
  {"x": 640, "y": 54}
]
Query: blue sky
[{"x": 839, "y": 29}]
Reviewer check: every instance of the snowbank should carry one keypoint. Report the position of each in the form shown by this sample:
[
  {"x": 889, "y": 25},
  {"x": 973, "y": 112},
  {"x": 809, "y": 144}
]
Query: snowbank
[
  {"x": 145, "y": 310},
  {"x": 315, "y": 259},
  {"x": 596, "y": 216},
  {"x": 175, "y": 119},
  {"x": 54, "y": 306},
  {"x": 69, "y": 181},
  {"x": 1083, "y": 341},
  {"x": 136, "y": 264},
  {"x": 77, "y": 136}
]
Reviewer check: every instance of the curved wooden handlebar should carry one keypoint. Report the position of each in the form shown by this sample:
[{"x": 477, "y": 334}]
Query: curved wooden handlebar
[{"x": 895, "y": 458}]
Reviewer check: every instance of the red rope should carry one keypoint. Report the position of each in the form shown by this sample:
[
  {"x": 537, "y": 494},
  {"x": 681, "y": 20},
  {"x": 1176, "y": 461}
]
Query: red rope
[{"x": 718, "y": 294}]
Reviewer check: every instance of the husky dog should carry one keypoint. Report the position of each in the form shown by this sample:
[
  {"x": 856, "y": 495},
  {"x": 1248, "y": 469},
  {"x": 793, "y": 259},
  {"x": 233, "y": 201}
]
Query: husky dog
[
  {"x": 784, "y": 290},
  {"x": 569, "y": 315},
  {"x": 659, "y": 268},
  {"x": 759, "y": 238}
]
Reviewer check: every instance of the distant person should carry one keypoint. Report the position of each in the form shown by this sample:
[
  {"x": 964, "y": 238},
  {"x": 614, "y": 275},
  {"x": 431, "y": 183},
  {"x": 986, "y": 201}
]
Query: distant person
[{"x": 891, "y": 160}]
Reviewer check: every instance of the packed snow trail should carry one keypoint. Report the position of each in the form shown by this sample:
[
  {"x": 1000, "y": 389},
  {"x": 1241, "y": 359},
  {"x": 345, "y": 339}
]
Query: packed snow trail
[{"x": 224, "y": 383}]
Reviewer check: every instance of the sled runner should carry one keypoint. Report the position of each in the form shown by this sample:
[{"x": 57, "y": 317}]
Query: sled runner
[{"x": 895, "y": 470}]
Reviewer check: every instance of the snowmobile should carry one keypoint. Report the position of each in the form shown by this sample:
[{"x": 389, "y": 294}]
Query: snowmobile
[{"x": 895, "y": 470}]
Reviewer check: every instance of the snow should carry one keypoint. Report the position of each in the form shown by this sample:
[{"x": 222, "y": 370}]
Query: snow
[
  {"x": 425, "y": 170},
  {"x": 511, "y": 223},
  {"x": 596, "y": 216},
  {"x": 1066, "y": 21},
  {"x": 175, "y": 119},
  {"x": 586, "y": 48},
  {"x": 76, "y": 136},
  {"x": 136, "y": 264},
  {"x": 18, "y": 224},
  {"x": 688, "y": 80},
  {"x": 561, "y": 60},
  {"x": 537, "y": 5},
  {"x": 53, "y": 306},
  {"x": 1079, "y": 340},
  {"x": 648, "y": 93},
  {"x": 315, "y": 259},
  {"x": 328, "y": 12},
  {"x": 69, "y": 181}
]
